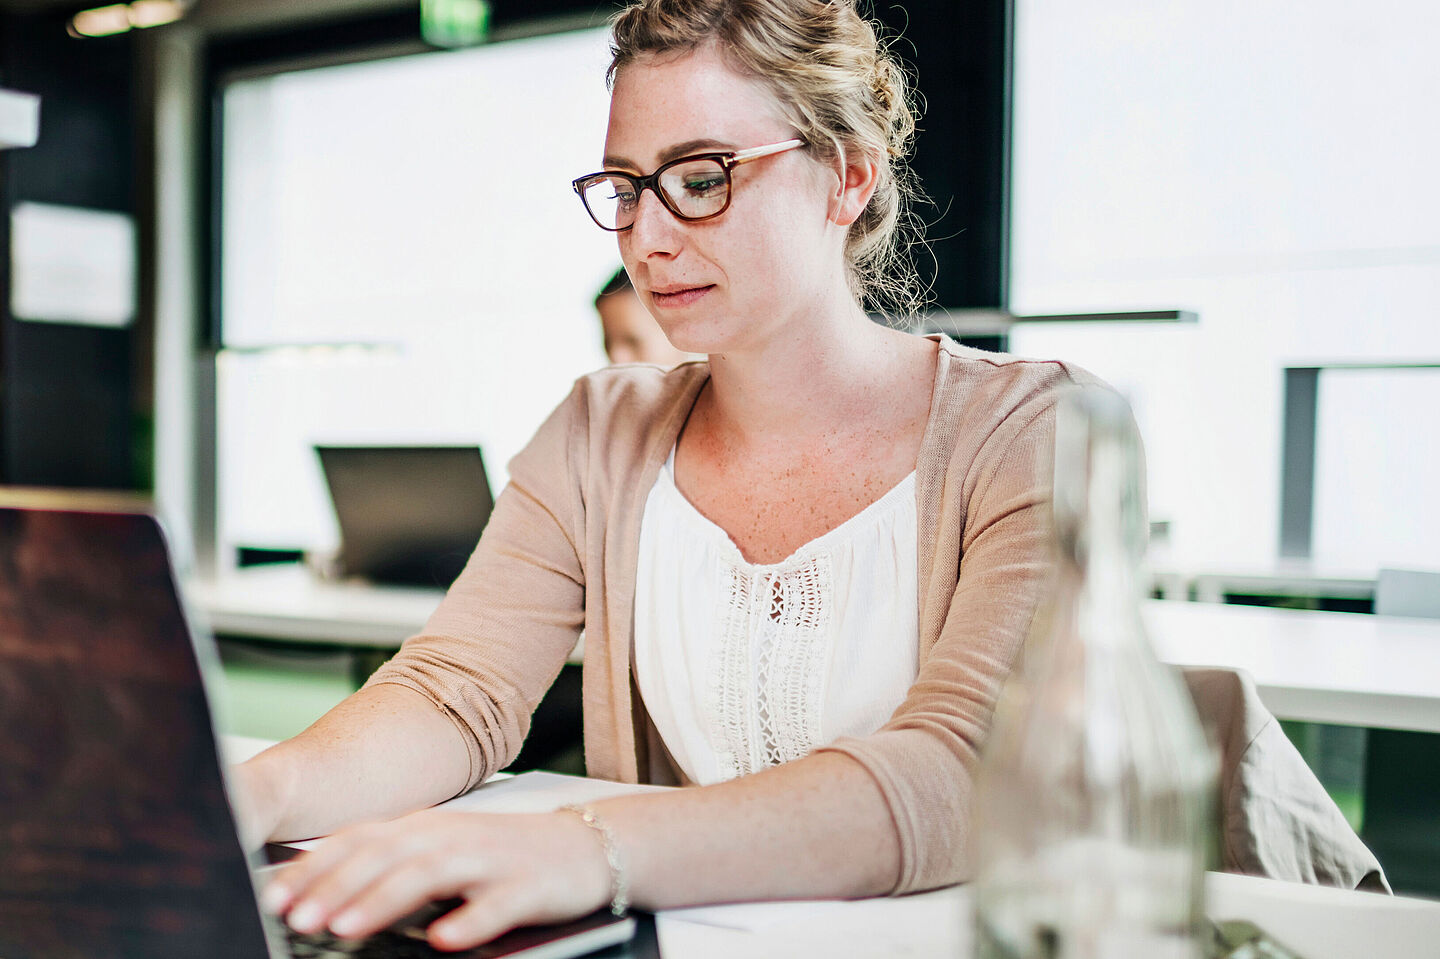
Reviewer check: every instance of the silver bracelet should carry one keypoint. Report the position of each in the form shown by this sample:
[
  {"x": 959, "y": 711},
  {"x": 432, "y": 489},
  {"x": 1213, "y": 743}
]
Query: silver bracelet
[{"x": 619, "y": 885}]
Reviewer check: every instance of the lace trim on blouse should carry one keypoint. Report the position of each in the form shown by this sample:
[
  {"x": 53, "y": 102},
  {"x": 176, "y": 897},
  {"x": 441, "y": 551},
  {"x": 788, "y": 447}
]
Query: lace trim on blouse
[{"x": 767, "y": 682}]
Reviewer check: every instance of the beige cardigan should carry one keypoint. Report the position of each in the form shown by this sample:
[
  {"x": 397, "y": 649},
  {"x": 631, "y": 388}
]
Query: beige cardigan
[{"x": 560, "y": 554}]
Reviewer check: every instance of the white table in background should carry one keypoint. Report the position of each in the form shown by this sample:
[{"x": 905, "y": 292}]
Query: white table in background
[
  {"x": 1349, "y": 668},
  {"x": 1298, "y": 578},
  {"x": 288, "y": 603}
]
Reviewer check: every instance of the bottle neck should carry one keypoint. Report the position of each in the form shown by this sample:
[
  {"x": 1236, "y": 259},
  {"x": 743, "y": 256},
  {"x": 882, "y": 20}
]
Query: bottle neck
[{"x": 1100, "y": 519}]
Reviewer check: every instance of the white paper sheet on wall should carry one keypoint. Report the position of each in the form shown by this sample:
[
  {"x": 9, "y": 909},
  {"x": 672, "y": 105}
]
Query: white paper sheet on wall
[
  {"x": 72, "y": 265},
  {"x": 19, "y": 119}
]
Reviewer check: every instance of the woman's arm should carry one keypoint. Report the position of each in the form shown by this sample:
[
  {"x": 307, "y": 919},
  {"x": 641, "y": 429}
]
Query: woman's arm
[
  {"x": 382, "y": 752},
  {"x": 814, "y": 828}
]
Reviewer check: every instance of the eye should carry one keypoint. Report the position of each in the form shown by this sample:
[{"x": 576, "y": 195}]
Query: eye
[
  {"x": 621, "y": 192},
  {"x": 704, "y": 184}
]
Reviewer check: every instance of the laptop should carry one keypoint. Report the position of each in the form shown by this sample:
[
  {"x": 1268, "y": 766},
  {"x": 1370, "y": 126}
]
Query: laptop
[
  {"x": 116, "y": 832},
  {"x": 408, "y": 515}
]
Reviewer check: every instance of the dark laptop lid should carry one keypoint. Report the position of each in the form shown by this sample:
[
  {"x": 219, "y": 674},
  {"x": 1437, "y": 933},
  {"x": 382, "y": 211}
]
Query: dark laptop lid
[
  {"x": 116, "y": 834},
  {"x": 117, "y": 837},
  {"x": 407, "y": 514}
]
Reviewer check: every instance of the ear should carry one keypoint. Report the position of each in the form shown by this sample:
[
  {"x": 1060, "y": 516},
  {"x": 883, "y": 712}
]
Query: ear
[{"x": 857, "y": 176}]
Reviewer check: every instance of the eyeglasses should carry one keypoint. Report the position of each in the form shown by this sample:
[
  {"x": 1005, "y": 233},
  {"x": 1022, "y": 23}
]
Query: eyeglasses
[{"x": 692, "y": 187}]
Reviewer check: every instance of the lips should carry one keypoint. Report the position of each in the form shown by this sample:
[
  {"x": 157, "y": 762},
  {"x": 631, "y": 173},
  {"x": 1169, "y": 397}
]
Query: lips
[{"x": 674, "y": 296}]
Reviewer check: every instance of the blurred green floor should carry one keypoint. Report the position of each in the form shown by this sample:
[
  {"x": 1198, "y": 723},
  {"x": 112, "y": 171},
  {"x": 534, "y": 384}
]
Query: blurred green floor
[
  {"x": 274, "y": 692},
  {"x": 1336, "y": 754}
]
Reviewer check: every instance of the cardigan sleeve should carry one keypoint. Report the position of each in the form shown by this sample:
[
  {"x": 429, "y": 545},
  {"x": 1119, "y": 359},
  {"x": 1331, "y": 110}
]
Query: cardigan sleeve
[
  {"x": 503, "y": 631},
  {"x": 923, "y": 759}
]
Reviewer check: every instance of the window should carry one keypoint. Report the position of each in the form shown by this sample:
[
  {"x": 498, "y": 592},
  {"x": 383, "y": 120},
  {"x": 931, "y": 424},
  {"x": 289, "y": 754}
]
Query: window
[
  {"x": 1266, "y": 165},
  {"x": 403, "y": 262}
]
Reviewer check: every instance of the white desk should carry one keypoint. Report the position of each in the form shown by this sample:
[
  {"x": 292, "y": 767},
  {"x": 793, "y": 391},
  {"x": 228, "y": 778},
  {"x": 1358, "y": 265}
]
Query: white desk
[
  {"x": 1319, "y": 923},
  {"x": 1349, "y": 668},
  {"x": 1316, "y": 922}
]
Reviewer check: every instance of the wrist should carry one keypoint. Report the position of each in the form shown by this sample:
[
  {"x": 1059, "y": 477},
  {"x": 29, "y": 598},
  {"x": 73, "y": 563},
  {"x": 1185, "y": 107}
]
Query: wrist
[
  {"x": 260, "y": 793},
  {"x": 617, "y": 880}
]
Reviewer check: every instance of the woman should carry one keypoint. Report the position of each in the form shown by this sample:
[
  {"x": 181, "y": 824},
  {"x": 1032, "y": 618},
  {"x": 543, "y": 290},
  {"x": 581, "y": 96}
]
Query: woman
[{"x": 823, "y": 545}]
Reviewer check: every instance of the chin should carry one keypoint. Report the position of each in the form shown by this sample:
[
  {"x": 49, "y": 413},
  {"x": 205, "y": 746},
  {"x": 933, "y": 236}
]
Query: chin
[{"x": 686, "y": 338}]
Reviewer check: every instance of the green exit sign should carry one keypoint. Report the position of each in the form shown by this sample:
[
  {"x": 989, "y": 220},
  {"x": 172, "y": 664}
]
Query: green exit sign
[{"x": 454, "y": 23}]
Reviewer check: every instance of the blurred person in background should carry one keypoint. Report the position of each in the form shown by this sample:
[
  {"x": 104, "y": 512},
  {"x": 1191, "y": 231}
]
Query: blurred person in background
[{"x": 631, "y": 333}]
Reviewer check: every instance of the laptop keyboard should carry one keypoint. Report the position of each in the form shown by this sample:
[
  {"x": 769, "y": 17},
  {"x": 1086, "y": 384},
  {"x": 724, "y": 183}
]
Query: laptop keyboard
[
  {"x": 404, "y": 940},
  {"x": 407, "y": 942}
]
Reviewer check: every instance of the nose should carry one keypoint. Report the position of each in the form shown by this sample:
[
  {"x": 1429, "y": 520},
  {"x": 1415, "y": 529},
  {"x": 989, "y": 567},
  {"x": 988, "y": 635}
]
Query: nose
[{"x": 656, "y": 231}]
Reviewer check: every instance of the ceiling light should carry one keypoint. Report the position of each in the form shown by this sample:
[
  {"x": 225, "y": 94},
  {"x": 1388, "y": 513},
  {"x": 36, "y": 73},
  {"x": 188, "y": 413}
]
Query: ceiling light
[
  {"x": 121, "y": 17},
  {"x": 101, "y": 22},
  {"x": 152, "y": 13}
]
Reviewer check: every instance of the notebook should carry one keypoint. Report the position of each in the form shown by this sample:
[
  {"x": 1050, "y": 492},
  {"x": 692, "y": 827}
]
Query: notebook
[
  {"x": 408, "y": 515},
  {"x": 116, "y": 833}
]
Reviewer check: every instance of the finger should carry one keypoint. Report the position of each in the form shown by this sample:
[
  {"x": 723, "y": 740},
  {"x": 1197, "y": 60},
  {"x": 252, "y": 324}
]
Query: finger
[
  {"x": 331, "y": 885},
  {"x": 398, "y": 892},
  {"x": 291, "y": 881},
  {"x": 489, "y": 912}
]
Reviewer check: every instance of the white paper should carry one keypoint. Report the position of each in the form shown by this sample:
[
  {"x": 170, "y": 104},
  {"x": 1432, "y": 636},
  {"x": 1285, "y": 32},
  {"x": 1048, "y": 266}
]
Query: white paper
[
  {"x": 529, "y": 793},
  {"x": 72, "y": 265},
  {"x": 929, "y": 924}
]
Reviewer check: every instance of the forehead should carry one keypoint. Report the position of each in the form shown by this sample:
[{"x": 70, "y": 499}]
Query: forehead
[{"x": 660, "y": 101}]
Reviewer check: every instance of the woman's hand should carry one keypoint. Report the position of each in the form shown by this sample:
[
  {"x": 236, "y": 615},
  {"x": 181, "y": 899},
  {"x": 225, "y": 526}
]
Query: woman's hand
[{"x": 511, "y": 870}]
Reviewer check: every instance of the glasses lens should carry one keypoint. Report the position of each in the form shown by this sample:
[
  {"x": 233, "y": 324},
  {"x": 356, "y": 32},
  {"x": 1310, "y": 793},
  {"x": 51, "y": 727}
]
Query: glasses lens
[
  {"x": 696, "y": 188},
  {"x": 610, "y": 200}
]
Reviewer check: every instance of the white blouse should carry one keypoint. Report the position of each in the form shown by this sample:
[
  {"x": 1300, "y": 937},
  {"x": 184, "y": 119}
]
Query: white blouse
[{"x": 743, "y": 666}]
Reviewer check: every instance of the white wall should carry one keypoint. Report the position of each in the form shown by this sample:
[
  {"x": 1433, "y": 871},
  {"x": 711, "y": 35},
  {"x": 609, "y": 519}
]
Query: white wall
[
  {"x": 423, "y": 204},
  {"x": 1271, "y": 165}
]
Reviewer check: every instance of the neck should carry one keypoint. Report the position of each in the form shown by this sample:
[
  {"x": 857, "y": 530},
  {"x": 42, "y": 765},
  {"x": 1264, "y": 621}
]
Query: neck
[{"x": 812, "y": 379}]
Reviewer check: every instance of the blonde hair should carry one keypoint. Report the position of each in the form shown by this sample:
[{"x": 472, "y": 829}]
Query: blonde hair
[{"x": 836, "y": 84}]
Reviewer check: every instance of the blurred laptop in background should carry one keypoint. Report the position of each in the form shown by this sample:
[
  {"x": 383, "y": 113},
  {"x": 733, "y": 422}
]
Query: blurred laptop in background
[{"x": 408, "y": 515}]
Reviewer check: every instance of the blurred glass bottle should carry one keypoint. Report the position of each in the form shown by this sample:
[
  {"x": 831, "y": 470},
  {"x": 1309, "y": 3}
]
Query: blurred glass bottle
[{"x": 1091, "y": 807}]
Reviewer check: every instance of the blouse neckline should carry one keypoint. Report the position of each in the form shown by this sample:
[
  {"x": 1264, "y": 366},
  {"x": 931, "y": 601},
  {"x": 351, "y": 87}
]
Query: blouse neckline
[{"x": 872, "y": 513}]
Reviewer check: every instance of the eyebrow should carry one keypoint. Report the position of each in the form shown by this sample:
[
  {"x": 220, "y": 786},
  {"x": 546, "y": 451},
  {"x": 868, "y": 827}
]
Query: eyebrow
[{"x": 670, "y": 153}]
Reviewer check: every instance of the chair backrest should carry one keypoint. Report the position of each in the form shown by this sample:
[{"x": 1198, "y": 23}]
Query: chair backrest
[
  {"x": 1276, "y": 820},
  {"x": 1408, "y": 592}
]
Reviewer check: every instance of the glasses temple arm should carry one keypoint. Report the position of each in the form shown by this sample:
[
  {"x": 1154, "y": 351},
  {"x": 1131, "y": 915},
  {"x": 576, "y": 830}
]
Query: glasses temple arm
[{"x": 755, "y": 153}]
